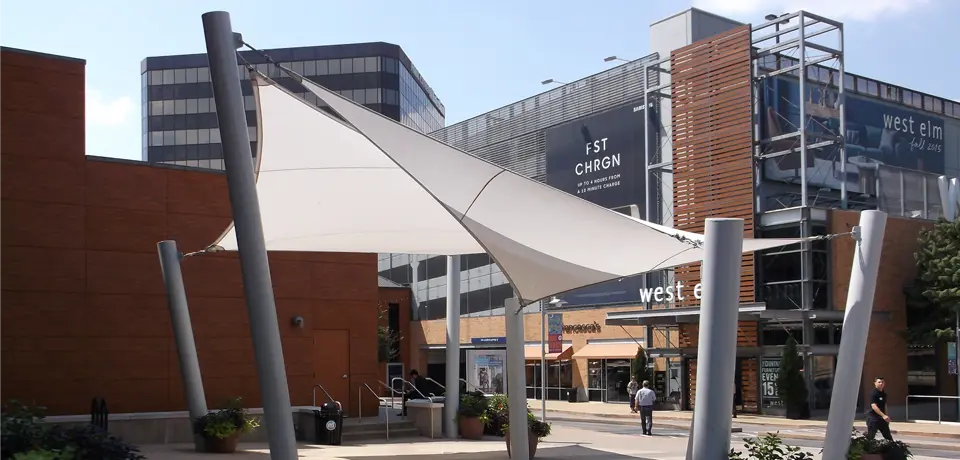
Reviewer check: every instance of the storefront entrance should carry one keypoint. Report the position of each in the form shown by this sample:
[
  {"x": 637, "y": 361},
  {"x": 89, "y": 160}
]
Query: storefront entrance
[{"x": 607, "y": 380}]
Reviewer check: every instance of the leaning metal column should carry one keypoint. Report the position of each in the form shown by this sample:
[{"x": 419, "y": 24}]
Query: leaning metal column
[
  {"x": 717, "y": 344},
  {"x": 516, "y": 381},
  {"x": 856, "y": 327},
  {"x": 183, "y": 333},
  {"x": 254, "y": 265},
  {"x": 451, "y": 400}
]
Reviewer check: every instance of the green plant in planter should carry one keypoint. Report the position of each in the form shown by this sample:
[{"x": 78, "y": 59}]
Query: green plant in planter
[
  {"x": 227, "y": 422},
  {"x": 472, "y": 404},
  {"x": 537, "y": 427},
  {"x": 769, "y": 447},
  {"x": 790, "y": 383},
  {"x": 497, "y": 410},
  {"x": 860, "y": 445}
]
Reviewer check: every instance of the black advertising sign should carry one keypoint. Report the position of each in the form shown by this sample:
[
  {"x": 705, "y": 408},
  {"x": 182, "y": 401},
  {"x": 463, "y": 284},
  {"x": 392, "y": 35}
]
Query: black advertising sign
[
  {"x": 769, "y": 371},
  {"x": 600, "y": 158}
]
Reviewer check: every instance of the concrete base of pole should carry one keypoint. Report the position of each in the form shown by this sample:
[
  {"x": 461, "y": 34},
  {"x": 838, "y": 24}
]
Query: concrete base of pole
[
  {"x": 856, "y": 327},
  {"x": 183, "y": 333},
  {"x": 717, "y": 346},
  {"x": 452, "y": 394},
  {"x": 516, "y": 381}
]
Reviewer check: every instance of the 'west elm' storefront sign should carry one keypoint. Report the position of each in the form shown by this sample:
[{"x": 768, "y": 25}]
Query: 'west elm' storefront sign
[{"x": 678, "y": 291}]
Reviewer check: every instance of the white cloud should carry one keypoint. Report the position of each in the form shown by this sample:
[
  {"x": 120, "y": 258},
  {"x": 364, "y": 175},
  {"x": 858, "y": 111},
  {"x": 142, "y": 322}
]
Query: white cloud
[
  {"x": 113, "y": 126},
  {"x": 108, "y": 113},
  {"x": 856, "y": 10}
]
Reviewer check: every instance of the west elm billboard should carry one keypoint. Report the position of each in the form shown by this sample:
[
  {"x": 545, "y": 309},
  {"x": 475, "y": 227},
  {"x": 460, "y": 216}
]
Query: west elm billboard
[
  {"x": 877, "y": 133},
  {"x": 600, "y": 159}
]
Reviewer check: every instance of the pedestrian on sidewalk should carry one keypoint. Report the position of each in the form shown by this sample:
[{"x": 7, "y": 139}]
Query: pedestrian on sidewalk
[
  {"x": 645, "y": 399},
  {"x": 877, "y": 418},
  {"x": 632, "y": 388}
]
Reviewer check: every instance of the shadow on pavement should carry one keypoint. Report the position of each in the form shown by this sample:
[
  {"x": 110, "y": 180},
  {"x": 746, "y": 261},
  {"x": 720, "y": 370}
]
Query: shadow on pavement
[{"x": 543, "y": 453}]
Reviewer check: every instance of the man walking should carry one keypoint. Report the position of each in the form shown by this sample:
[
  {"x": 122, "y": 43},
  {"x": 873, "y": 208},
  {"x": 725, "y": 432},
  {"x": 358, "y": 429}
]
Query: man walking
[
  {"x": 632, "y": 389},
  {"x": 645, "y": 399},
  {"x": 877, "y": 418}
]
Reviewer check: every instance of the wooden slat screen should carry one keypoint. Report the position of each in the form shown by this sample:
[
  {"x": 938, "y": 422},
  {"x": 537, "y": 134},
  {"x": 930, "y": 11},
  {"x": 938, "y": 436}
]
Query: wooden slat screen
[
  {"x": 712, "y": 140},
  {"x": 713, "y": 165}
]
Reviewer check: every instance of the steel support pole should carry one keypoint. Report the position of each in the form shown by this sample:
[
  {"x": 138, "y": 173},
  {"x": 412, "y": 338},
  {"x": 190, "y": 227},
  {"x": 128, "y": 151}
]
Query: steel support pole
[
  {"x": 183, "y": 333},
  {"x": 856, "y": 327},
  {"x": 452, "y": 396},
  {"x": 543, "y": 360},
  {"x": 516, "y": 385},
  {"x": 254, "y": 266},
  {"x": 957, "y": 344},
  {"x": 803, "y": 112},
  {"x": 717, "y": 349}
]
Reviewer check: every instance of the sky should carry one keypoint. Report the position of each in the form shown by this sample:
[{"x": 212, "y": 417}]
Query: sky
[{"x": 477, "y": 56}]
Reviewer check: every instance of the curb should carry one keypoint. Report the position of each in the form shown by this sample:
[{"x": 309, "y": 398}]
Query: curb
[
  {"x": 636, "y": 423},
  {"x": 813, "y": 437},
  {"x": 747, "y": 420}
]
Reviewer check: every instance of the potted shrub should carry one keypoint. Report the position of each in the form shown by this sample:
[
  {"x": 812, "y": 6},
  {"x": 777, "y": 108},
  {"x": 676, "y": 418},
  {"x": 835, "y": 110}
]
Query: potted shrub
[
  {"x": 221, "y": 429},
  {"x": 862, "y": 448},
  {"x": 790, "y": 384},
  {"x": 538, "y": 430},
  {"x": 472, "y": 415},
  {"x": 769, "y": 447},
  {"x": 496, "y": 415}
]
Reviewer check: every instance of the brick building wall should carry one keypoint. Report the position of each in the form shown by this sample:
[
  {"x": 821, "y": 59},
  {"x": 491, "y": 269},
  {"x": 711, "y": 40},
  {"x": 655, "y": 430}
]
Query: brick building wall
[
  {"x": 886, "y": 353},
  {"x": 84, "y": 308}
]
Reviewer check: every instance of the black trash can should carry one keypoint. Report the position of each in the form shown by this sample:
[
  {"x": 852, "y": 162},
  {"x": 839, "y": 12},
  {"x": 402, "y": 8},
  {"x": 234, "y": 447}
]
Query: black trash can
[
  {"x": 329, "y": 424},
  {"x": 572, "y": 395}
]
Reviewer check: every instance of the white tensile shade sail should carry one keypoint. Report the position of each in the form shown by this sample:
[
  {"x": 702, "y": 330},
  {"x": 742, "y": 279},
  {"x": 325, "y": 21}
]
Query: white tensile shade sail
[{"x": 371, "y": 184}]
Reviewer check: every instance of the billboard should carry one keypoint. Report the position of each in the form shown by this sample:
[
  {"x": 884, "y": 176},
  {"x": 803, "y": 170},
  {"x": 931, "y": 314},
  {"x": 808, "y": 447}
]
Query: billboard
[
  {"x": 600, "y": 159},
  {"x": 877, "y": 133}
]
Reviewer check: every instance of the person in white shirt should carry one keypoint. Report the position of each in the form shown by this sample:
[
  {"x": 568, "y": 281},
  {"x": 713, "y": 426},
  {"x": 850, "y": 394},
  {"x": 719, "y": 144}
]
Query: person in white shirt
[
  {"x": 645, "y": 399},
  {"x": 632, "y": 388}
]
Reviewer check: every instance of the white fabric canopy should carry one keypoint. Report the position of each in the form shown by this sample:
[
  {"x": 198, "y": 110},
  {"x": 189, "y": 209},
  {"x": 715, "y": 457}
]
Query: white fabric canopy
[{"x": 370, "y": 184}]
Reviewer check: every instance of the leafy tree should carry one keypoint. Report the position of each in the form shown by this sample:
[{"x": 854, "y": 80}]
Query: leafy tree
[
  {"x": 388, "y": 342},
  {"x": 933, "y": 299},
  {"x": 790, "y": 384},
  {"x": 638, "y": 367}
]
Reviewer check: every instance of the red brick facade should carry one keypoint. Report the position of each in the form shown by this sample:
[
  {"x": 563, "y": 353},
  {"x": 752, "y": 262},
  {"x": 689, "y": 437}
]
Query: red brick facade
[{"x": 84, "y": 309}]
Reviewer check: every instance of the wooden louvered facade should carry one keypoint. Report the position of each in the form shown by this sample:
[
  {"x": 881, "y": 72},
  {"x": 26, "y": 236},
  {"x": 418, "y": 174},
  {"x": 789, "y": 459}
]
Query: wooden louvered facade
[{"x": 713, "y": 167}]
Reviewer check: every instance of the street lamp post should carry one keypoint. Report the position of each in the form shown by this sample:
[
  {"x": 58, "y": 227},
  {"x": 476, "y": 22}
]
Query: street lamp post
[
  {"x": 614, "y": 58},
  {"x": 552, "y": 81}
]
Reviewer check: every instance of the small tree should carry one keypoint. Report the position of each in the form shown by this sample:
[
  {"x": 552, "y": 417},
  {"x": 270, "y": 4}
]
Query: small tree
[
  {"x": 387, "y": 341},
  {"x": 934, "y": 298},
  {"x": 790, "y": 384},
  {"x": 638, "y": 367}
]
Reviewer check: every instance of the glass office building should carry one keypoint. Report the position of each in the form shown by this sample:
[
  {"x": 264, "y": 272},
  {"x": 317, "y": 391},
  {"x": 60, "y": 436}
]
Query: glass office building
[
  {"x": 514, "y": 137},
  {"x": 179, "y": 123}
]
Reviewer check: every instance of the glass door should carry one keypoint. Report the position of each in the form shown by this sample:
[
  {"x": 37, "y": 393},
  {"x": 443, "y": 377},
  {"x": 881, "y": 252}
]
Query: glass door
[
  {"x": 596, "y": 390},
  {"x": 617, "y": 378}
]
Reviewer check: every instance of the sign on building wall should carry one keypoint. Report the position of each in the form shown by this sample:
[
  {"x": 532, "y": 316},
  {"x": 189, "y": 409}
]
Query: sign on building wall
[
  {"x": 555, "y": 332},
  {"x": 877, "y": 133},
  {"x": 486, "y": 371},
  {"x": 769, "y": 371},
  {"x": 600, "y": 158}
]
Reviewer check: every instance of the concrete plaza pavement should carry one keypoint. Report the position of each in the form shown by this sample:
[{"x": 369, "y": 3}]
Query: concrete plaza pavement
[{"x": 565, "y": 442}]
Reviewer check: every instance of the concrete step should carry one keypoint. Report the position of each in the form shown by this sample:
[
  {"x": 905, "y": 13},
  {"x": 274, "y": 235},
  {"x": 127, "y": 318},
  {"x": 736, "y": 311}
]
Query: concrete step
[{"x": 375, "y": 431}]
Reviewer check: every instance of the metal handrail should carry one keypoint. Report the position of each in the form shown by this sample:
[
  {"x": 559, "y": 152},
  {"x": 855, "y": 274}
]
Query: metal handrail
[
  {"x": 938, "y": 398},
  {"x": 438, "y": 383},
  {"x": 432, "y": 422},
  {"x": 360, "y": 411},
  {"x": 324, "y": 390},
  {"x": 468, "y": 384},
  {"x": 393, "y": 394}
]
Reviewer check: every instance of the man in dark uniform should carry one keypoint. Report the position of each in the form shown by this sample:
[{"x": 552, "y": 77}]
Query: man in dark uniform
[{"x": 877, "y": 418}]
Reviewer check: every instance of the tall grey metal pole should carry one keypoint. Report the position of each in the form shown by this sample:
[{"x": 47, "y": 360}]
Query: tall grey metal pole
[
  {"x": 183, "y": 333},
  {"x": 842, "y": 114},
  {"x": 516, "y": 385},
  {"x": 254, "y": 265},
  {"x": 717, "y": 345},
  {"x": 543, "y": 360},
  {"x": 803, "y": 112},
  {"x": 856, "y": 327},
  {"x": 452, "y": 396}
]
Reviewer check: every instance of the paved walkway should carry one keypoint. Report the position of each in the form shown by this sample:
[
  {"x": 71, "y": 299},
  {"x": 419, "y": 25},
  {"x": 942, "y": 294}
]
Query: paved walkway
[
  {"x": 564, "y": 443},
  {"x": 622, "y": 412}
]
